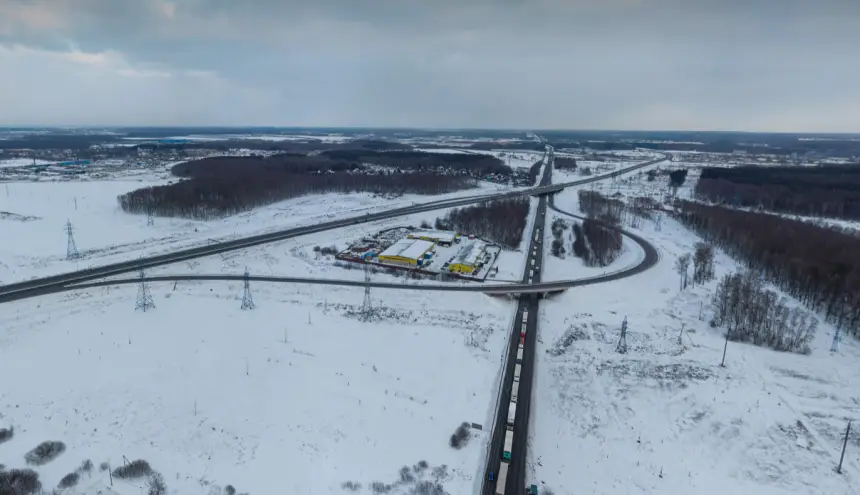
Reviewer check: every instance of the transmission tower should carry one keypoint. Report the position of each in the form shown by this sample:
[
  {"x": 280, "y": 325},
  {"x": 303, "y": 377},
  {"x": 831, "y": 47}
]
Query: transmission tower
[
  {"x": 247, "y": 300},
  {"x": 367, "y": 305},
  {"x": 144, "y": 298},
  {"x": 622, "y": 342},
  {"x": 150, "y": 220},
  {"x": 71, "y": 249}
]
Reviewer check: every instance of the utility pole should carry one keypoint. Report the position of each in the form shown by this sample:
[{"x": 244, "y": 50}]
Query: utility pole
[
  {"x": 367, "y": 305},
  {"x": 622, "y": 342},
  {"x": 844, "y": 446},
  {"x": 725, "y": 347},
  {"x": 835, "y": 345}
]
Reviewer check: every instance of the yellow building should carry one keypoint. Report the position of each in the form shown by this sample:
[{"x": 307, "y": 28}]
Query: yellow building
[
  {"x": 409, "y": 252},
  {"x": 468, "y": 258}
]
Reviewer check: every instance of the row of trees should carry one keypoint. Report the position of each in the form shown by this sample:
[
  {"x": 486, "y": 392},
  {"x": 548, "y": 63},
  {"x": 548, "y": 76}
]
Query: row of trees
[
  {"x": 753, "y": 314},
  {"x": 502, "y": 222},
  {"x": 534, "y": 171},
  {"x": 565, "y": 163},
  {"x": 830, "y": 191},
  {"x": 818, "y": 266},
  {"x": 596, "y": 242},
  {"x": 702, "y": 260},
  {"x": 221, "y": 187}
]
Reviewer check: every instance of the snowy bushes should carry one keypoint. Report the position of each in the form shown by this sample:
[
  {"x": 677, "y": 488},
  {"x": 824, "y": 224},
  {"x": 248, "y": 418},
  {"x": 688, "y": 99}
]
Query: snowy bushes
[
  {"x": 460, "y": 436},
  {"x": 155, "y": 485},
  {"x": 756, "y": 315},
  {"x": 559, "y": 226},
  {"x": 19, "y": 482},
  {"x": 327, "y": 250},
  {"x": 44, "y": 453},
  {"x": 134, "y": 469},
  {"x": 6, "y": 434},
  {"x": 69, "y": 480}
]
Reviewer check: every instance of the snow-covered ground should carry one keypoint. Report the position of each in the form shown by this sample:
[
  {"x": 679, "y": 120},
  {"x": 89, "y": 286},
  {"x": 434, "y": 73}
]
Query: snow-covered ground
[
  {"x": 607, "y": 423},
  {"x": 295, "y": 396},
  {"x": 36, "y": 215},
  {"x": 21, "y": 162}
]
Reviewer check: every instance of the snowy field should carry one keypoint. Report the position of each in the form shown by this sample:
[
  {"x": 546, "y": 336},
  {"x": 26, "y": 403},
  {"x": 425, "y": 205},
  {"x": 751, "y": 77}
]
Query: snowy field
[
  {"x": 296, "y": 396},
  {"x": 665, "y": 417},
  {"x": 21, "y": 162},
  {"x": 34, "y": 214}
]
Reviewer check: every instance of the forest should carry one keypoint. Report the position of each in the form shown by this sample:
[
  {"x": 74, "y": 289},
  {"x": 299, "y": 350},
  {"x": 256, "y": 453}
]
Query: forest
[
  {"x": 597, "y": 241},
  {"x": 502, "y": 221},
  {"x": 818, "y": 266},
  {"x": 753, "y": 314},
  {"x": 564, "y": 163},
  {"x": 223, "y": 186},
  {"x": 472, "y": 164},
  {"x": 828, "y": 191}
]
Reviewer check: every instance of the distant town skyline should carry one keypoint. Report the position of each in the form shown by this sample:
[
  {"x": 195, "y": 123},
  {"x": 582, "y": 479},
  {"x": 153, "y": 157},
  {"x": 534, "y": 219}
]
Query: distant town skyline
[{"x": 492, "y": 64}]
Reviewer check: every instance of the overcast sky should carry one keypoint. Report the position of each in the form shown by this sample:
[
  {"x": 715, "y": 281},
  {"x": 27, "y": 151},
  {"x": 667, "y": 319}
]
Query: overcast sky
[{"x": 762, "y": 65}]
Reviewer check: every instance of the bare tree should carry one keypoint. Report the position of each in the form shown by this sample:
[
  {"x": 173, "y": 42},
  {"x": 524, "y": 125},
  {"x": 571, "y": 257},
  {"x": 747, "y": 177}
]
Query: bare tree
[{"x": 682, "y": 265}]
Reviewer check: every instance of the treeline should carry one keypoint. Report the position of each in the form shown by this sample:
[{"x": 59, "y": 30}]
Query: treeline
[
  {"x": 830, "y": 191},
  {"x": 218, "y": 187},
  {"x": 558, "y": 228},
  {"x": 502, "y": 221},
  {"x": 565, "y": 163},
  {"x": 753, "y": 314},
  {"x": 534, "y": 172},
  {"x": 818, "y": 266},
  {"x": 475, "y": 164}
]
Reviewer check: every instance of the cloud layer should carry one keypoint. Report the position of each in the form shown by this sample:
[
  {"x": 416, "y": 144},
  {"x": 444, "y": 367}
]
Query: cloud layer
[{"x": 537, "y": 64}]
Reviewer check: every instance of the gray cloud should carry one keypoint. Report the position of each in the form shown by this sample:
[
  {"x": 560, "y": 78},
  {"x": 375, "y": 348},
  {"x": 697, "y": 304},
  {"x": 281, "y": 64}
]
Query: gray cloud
[{"x": 756, "y": 65}]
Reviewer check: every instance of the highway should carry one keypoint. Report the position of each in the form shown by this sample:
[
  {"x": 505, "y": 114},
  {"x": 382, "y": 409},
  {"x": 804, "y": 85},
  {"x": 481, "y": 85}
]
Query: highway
[{"x": 58, "y": 283}]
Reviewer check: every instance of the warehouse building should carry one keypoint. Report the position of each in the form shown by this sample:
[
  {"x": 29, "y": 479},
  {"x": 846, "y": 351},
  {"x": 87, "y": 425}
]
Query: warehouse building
[
  {"x": 469, "y": 258},
  {"x": 408, "y": 252},
  {"x": 440, "y": 237}
]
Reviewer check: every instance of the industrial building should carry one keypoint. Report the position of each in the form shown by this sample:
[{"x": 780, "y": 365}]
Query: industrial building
[
  {"x": 468, "y": 259},
  {"x": 408, "y": 252},
  {"x": 440, "y": 237}
]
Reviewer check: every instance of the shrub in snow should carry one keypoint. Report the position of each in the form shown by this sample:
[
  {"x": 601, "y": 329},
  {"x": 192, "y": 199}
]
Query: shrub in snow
[
  {"x": 155, "y": 485},
  {"x": 229, "y": 490},
  {"x": 134, "y": 469},
  {"x": 104, "y": 466},
  {"x": 351, "y": 486},
  {"x": 19, "y": 482},
  {"x": 378, "y": 487},
  {"x": 86, "y": 466},
  {"x": 428, "y": 488},
  {"x": 460, "y": 436},
  {"x": 44, "y": 453},
  {"x": 406, "y": 475},
  {"x": 69, "y": 480},
  {"x": 6, "y": 434}
]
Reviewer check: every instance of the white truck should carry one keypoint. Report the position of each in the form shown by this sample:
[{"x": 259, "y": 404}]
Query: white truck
[{"x": 502, "y": 479}]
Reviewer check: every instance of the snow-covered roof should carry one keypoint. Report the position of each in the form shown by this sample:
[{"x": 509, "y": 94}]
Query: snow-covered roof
[
  {"x": 408, "y": 248},
  {"x": 437, "y": 235},
  {"x": 469, "y": 253}
]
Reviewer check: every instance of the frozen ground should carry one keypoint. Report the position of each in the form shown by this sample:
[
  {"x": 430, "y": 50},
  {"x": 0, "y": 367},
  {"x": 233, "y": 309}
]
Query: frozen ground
[
  {"x": 21, "y": 162},
  {"x": 34, "y": 214},
  {"x": 296, "y": 396},
  {"x": 606, "y": 423}
]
